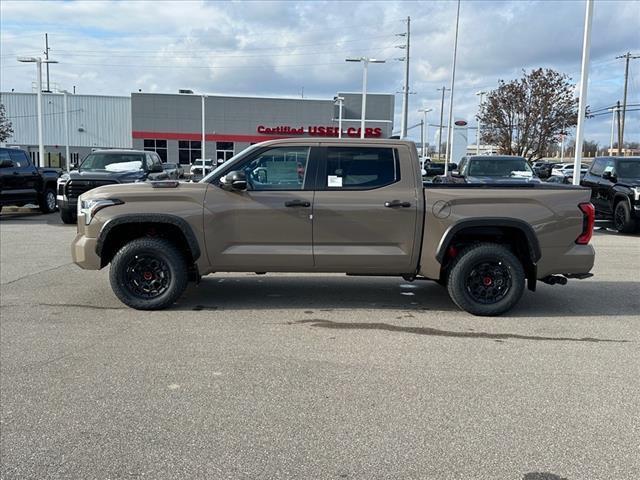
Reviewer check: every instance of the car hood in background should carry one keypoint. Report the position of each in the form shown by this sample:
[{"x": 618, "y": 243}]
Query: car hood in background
[{"x": 120, "y": 177}]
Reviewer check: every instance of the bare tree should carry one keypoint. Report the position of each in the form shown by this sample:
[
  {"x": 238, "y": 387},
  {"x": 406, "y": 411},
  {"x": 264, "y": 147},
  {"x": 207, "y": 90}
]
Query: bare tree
[
  {"x": 527, "y": 116},
  {"x": 6, "y": 129}
]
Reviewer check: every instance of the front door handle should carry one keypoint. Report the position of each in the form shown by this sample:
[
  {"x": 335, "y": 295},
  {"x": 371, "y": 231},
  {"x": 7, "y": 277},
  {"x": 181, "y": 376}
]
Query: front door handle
[
  {"x": 396, "y": 204},
  {"x": 297, "y": 203}
]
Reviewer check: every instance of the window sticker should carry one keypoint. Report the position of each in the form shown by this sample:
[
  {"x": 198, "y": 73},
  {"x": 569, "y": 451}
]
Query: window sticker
[
  {"x": 609, "y": 168},
  {"x": 334, "y": 181}
]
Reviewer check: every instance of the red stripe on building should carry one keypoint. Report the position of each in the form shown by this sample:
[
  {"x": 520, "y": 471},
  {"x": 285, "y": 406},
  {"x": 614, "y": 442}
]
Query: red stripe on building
[{"x": 210, "y": 137}]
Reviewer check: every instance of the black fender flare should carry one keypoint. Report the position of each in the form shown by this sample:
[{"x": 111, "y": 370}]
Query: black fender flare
[
  {"x": 165, "y": 218},
  {"x": 532, "y": 239}
]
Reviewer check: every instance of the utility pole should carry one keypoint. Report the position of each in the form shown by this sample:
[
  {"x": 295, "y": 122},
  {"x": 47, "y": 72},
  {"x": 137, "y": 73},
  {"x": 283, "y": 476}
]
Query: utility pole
[
  {"x": 46, "y": 56},
  {"x": 619, "y": 128},
  {"x": 627, "y": 56},
  {"x": 444, "y": 89},
  {"x": 480, "y": 94},
  {"x": 405, "y": 89}
]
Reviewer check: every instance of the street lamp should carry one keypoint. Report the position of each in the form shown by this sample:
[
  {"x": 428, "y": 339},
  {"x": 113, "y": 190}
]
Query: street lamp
[
  {"x": 365, "y": 62},
  {"x": 340, "y": 102},
  {"x": 38, "y": 61},
  {"x": 425, "y": 130},
  {"x": 204, "y": 156},
  {"x": 66, "y": 129},
  {"x": 480, "y": 94},
  {"x": 449, "y": 151}
]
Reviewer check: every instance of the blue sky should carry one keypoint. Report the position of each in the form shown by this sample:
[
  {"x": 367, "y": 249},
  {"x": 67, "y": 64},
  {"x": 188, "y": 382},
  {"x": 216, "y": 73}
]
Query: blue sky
[{"x": 279, "y": 48}]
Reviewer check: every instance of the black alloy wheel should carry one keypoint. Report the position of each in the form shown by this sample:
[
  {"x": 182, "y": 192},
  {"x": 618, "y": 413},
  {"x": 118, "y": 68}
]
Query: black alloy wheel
[
  {"x": 147, "y": 276},
  {"x": 488, "y": 282},
  {"x": 149, "y": 273},
  {"x": 622, "y": 220},
  {"x": 486, "y": 279}
]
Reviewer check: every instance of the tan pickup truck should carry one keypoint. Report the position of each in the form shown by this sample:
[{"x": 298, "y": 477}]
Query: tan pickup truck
[{"x": 351, "y": 206}]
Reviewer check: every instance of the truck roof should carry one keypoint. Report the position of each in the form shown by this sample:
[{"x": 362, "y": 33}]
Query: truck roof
[{"x": 333, "y": 140}]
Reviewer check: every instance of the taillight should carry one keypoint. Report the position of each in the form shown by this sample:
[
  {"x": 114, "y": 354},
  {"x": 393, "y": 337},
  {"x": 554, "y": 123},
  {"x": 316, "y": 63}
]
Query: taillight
[{"x": 588, "y": 221}]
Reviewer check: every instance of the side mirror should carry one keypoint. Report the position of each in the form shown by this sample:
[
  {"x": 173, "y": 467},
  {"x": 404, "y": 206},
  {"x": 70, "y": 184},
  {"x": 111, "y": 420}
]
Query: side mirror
[
  {"x": 155, "y": 168},
  {"x": 235, "y": 180},
  {"x": 608, "y": 175},
  {"x": 6, "y": 163},
  {"x": 453, "y": 166}
]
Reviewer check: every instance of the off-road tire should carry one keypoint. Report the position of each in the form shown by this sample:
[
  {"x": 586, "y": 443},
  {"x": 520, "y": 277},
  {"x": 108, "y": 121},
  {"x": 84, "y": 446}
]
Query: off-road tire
[
  {"x": 622, "y": 219},
  {"x": 167, "y": 254},
  {"x": 47, "y": 201},
  {"x": 68, "y": 216},
  {"x": 465, "y": 270}
]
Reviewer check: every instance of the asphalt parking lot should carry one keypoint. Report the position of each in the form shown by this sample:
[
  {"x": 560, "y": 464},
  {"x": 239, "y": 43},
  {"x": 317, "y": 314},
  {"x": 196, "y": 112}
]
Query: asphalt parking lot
[{"x": 313, "y": 376}]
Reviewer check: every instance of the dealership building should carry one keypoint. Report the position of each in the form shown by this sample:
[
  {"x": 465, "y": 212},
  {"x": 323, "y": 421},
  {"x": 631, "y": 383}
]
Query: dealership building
[{"x": 172, "y": 124}]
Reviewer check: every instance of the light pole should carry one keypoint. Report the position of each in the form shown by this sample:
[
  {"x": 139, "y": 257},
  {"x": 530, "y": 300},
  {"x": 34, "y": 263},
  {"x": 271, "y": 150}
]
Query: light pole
[
  {"x": 340, "y": 102},
  {"x": 449, "y": 151},
  {"x": 584, "y": 79},
  {"x": 613, "y": 121},
  {"x": 365, "y": 63},
  {"x": 425, "y": 131},
  {"x": 480, "y": 94},
  {"x": 66, "y": 129},
  {"x": 38, "y": 61},
  {"x": 204, "y": 148}
]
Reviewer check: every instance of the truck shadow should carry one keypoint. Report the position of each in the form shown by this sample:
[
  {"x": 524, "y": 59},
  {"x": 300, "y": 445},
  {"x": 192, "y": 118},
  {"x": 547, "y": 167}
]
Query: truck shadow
[{"x": 315, "y": 293}]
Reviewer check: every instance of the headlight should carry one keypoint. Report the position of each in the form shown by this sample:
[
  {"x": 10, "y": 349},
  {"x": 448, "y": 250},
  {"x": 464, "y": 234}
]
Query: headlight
[
  {"x": 636, "y": 193},
  {"x": 62, "y": 179},
  {"x": 91, "y": 206}
]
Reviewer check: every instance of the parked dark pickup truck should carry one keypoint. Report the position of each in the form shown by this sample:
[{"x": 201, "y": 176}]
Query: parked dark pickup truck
[
  {"x": 106, "y": 167},
  {"x": 350, "y": 206},
  {"x": 22, "y": 183},
  {"x": 615, "y": 190},
  {"x": 490, "y": 169}
]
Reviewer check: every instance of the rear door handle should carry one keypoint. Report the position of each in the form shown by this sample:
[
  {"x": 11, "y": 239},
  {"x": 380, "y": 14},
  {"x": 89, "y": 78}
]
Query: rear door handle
[
  {"x": 396, "y": 204},
  {"x": 297, "y": 203}
]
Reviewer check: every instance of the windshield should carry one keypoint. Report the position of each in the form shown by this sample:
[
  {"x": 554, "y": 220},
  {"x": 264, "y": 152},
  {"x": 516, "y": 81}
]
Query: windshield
[
  {"x": 113, "y": 162},
  {"x": 629, "y": 168},
  {"x": 497, "y": 167}
]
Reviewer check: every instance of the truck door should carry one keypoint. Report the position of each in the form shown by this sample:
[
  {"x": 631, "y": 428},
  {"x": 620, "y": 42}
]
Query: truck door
[
  {"x": 268, "y": 226},
  {"x": 22, "y": 177},
  {"x": 365, "y": 211}
]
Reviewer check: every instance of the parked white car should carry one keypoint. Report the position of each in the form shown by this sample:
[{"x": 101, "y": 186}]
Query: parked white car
[
  {"x": 201, "y": 167},
  {"x": 566, "y": 169}
]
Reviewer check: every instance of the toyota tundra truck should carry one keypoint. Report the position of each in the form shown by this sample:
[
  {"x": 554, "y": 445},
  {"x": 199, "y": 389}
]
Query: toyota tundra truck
[{"x": 338, "y": 205}]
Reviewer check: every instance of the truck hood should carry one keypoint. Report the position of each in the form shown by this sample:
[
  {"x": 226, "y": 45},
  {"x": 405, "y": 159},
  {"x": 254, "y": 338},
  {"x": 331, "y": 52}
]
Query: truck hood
[
  {"x": 147, "y": 192},
  {"x": 629, "y": 181},
  {"x": 120, "y": 177}
]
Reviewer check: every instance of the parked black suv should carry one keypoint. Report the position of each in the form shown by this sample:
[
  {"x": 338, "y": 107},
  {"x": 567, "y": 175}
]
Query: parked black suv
[
  {"x": 615, "y": 190},
  {"x": 106, "y": 167},
  {"x": 22, "y": 183}
]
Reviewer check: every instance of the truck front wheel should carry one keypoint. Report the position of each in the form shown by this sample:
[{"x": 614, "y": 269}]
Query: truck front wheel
[
  {"x": 148, "y": 273},
  {"x": 622, "y": 219},
  {"x": 486, "y": 279},
  {"x": 68, "y": 216}
]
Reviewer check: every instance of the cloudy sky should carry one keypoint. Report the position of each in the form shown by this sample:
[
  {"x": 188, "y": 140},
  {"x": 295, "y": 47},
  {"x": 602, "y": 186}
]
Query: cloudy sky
[{"x": 280, "y": 48}]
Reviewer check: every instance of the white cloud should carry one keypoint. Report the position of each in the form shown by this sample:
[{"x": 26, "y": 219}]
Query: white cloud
[{"x": 277, "y": 48}]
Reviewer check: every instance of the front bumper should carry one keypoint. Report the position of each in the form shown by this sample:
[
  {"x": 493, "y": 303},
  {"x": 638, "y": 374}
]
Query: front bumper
[{"x": 83, "y": 252}]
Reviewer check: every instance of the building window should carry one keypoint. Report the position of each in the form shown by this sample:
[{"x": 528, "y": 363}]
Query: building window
[
  {"x": 189, "y": 151},
  {"x": 158, "y": 146},
  {"x": 224, "y": 151}
]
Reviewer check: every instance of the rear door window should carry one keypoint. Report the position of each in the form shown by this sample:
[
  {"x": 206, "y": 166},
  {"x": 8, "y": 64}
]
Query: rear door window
[{"x": 360, "y": 168}]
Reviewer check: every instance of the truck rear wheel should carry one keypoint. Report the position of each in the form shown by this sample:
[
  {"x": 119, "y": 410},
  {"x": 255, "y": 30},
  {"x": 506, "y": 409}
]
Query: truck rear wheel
[
  {"x": 148, "y": 273},
  {"x": 486, "y": 279},
  {"x": 48, "y": 202}
]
